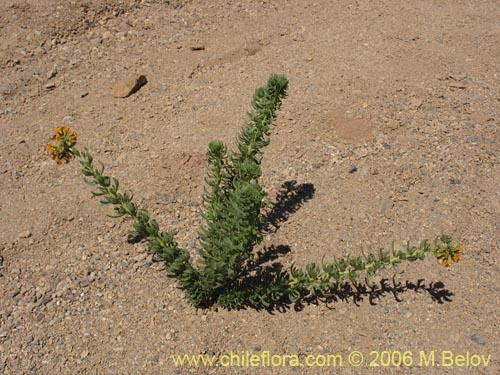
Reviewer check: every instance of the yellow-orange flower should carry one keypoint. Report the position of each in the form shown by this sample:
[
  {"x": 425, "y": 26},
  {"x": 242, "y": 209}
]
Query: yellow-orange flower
[
  {"x": 61, "y": 150},
  {"x": 66, "y": 135},
  {"x": 448, "y": 253}
]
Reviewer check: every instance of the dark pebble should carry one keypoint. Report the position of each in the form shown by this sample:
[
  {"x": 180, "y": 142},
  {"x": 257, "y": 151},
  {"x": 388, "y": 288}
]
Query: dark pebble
[
  {"x": 478, "y": 339},
  {"x": 85, "y": 283}
]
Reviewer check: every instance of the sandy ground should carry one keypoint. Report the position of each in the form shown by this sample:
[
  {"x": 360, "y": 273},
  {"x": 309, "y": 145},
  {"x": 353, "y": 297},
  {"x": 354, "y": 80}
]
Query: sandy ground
[{"x": 390, "y": 133}]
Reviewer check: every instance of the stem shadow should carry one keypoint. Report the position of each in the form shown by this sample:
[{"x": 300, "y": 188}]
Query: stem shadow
[
  {"x": 289, "y": 200},
  {"x": 260, "y": 278}
]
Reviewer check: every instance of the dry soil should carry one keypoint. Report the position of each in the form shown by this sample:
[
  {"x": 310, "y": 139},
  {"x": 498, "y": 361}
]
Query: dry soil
[{"x": 390, "y": 133}]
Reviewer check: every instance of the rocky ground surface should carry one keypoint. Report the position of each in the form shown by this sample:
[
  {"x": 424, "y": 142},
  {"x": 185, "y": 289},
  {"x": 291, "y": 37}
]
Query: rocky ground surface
[{"x": 390, "y": 133}]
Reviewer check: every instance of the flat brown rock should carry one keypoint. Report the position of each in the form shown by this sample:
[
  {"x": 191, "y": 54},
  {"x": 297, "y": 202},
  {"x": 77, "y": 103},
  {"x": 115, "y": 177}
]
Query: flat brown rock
[{"x": 129, "y": 86}]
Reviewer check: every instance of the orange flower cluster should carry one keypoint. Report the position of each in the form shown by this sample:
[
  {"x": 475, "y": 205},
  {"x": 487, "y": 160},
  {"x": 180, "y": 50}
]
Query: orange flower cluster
[
  {"x": 449, "y": 254},
  {"x": 60, "y": 149}
]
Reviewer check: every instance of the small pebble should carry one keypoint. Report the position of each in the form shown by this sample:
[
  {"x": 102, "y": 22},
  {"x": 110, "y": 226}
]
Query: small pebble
[
  {"x": 7, "y": 90},
  {"x": 160, "y": 197},
  {"x": 52, "y": 73},
  {"x": 386, "y": 204},
  {"x": 478, "y": 339},
  {"x": 50, "y": 86},
  {"x": 475, "y": 139},
  {"x": 140, "y": 257},
  {"x": 25, "y": 234},
  {"x": 68, "y": 119},
  {"x": 129, "y": 86}
]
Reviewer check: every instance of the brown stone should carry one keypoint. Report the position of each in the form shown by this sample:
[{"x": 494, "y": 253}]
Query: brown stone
[{"x": 129, "y": 86}]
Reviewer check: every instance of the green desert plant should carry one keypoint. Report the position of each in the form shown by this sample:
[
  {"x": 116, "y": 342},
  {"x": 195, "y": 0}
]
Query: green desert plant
[{"x": 233, "y": 216}]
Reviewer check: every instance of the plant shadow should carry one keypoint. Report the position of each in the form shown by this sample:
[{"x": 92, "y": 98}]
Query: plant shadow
[
  {"x": 288, "y": 201},
  {"x": 264, "y": 270},
  {"x": 358, "y": 292},
  {"x": 355, "y": 293}
]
